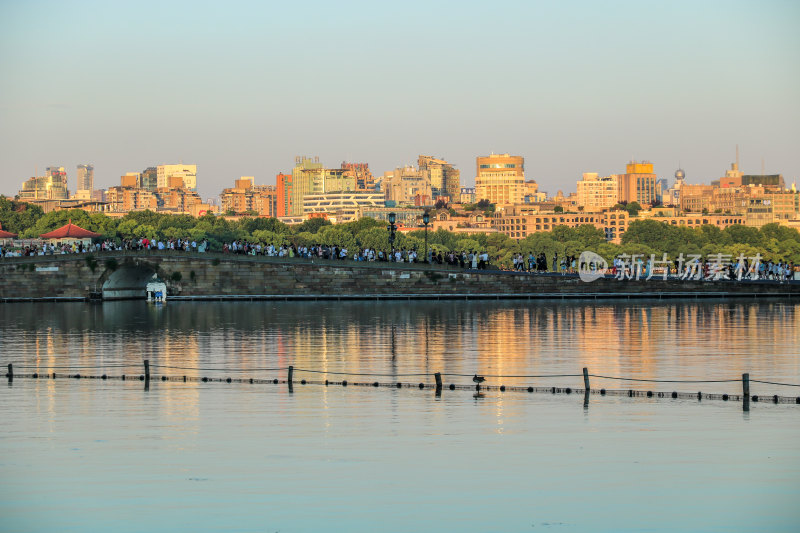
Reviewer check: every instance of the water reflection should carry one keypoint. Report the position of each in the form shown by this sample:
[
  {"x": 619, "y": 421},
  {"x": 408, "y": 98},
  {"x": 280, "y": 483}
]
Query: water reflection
[{"x": 673, "y": 340}]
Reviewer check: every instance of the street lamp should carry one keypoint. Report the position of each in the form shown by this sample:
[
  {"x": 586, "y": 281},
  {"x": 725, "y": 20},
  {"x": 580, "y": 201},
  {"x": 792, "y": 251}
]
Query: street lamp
[
  {"x": 392, "y": 228},
  {"x": 426, "y": 218}
]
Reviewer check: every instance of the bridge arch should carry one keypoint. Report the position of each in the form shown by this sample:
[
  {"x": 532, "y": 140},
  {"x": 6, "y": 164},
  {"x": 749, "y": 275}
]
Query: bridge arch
[{"x": 126, "y": 281}]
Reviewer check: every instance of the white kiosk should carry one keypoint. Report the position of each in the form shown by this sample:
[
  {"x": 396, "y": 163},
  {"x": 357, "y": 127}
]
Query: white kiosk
[{"x": 156, "y": 291}]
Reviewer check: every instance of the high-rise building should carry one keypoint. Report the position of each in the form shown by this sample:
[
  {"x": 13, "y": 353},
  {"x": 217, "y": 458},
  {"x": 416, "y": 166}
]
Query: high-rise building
[
  {"x": 85, "y": 179},
  {"x": 285, "y": 186},
  {"x": 445, "y": 178},
  {"x": 149, "y": 179},
  {"x": 188, "y": 173},
  {"x": 500, "y": 179},
  {"x": 51, "y": 186},
  {"x": 597, "y": 193},
  {"x": 311, "y": 177},
  {"x": 638, "y": 184}
]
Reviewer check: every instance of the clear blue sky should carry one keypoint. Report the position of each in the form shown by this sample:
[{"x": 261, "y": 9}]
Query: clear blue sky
[{"x": 240, "y": 88}]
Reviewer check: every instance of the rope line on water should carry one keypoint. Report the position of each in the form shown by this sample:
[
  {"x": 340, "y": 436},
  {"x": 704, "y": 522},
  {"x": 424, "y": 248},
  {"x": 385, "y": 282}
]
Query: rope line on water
[
  {"x": 361, "y": 374},
  {"x": 214, "y": 369},
  {"x": 78, "y": 367},
  {"x": 668, "y": 380},
  {"x": 397, "y": 375},
  {"x": 775, "y": 383}
]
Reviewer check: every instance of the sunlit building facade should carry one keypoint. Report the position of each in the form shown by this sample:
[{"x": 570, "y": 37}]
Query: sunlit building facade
[{"x": 500, "y": 179}]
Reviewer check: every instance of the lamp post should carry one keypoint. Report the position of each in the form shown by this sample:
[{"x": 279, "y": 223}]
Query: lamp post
[
  {"x": 392, "y": 228},
  {"x": 426, "y": 218}
]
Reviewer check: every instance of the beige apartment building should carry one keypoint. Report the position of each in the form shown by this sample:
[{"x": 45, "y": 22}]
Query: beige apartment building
[
  {"x": 518, "y": 222},
  {"x": 187, "y": 173},
  {"x": 445, "y": 179},
  {"x": 597, "y": 193},
  {"x": 247, "y": 197},
  {"x": 639, "y": 184},
  {"x": 408, "y": 186},
  {"x": 500, "y": 179}
]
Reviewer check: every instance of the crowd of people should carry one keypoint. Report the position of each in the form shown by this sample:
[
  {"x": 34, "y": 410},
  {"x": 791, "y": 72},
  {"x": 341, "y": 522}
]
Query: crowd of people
[
  {"x": 713, "y": 268},
  {"x": 471, "y": 259}
]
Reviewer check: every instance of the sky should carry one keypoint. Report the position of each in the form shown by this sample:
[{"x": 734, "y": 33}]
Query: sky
[{"x": 241, "y": 88}]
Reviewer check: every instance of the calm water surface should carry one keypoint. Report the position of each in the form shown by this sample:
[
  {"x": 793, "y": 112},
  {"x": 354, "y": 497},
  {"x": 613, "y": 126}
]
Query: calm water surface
[{"x": 98, "y": 456}]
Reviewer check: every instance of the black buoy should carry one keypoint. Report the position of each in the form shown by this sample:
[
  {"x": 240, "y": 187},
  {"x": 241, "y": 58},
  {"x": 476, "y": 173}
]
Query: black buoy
[
  {"x": 568, "y": 390},
  {"x": 101, "y": 377},
  {"x": 251, "y": 380},
  {"x": 326, "y": 382},
  {"x": 275, "y": 381},
  {"x": 141, "y": 377},
  {"x": 453, "y": 387},
  {"x": 399, "y": 385},
  {"x": 302, "y": 382},
  {"x": 77, "y": 376},
  {"x": 123, "y": 376},
  {"x": 344, "y": 383},
  {"x": 755, "y": 398},
  {"x": 797, "y": 400},
  {"x": 530, "y": 389},
  {"x": 602, "y": 392},
  {"x": 54, "y": 377},
  {"x": 649, "y": 394},
  {"x": 725, "y": 397},
  {"x": 775, "y": 398},
  {"x": 421, "y": 385},
  {"x": 553, "y": 390},
  {"x": 228, "y": 380},
  {"x": 375, "y": 384},
  {"x": 502, "y": 388},
  {"x": 674, "y": 394},
  {"x": 163, "y": 378},
  {"x": 205, "y": 379},
  {"x": 36, "y": 376}
]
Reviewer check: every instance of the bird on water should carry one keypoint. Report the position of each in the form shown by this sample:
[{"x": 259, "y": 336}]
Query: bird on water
[{"x": 478, "y": 379}]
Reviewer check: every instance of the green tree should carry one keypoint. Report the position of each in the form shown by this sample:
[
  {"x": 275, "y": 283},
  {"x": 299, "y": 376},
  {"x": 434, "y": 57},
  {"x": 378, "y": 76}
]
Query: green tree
[
  {"x": 312, "y": 225},
  {"x": 267, "y": 237},
  {"x": 374, "y": 238},
  {"x": 334, "y": 236},
  {"x": 633, "y": 208}
]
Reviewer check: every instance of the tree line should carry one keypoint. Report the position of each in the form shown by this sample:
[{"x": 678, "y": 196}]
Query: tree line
[{"x": 648, "y": 236}]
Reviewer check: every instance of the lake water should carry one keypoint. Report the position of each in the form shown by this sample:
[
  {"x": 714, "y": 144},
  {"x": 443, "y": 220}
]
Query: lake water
[{"x": 91, "y": 455}]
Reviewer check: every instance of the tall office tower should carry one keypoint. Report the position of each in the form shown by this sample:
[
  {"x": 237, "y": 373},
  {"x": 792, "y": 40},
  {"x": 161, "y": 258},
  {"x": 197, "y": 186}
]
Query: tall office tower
[
  {"x": 500, "y": 179},
  {"x": 187, "y": 173},
  {"x": 445, "y": 178},
  {"x": 285, "y": 186},
  {"x": 85, "y": 179},
  {"x": 149, "y": 179},
  {"x": 639, "y": 184}
]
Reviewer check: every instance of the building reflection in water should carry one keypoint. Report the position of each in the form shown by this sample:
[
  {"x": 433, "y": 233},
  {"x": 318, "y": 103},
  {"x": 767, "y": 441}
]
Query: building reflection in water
[{"x": 642, "y": 339}]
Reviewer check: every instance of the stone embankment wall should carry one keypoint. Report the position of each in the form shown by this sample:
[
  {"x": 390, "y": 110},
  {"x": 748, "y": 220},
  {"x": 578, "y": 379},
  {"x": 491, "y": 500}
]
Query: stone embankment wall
[{"x": 226, "y": 276}]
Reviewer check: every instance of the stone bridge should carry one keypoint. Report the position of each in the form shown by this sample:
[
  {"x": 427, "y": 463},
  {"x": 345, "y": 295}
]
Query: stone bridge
[{"x": 117, "y": 275}]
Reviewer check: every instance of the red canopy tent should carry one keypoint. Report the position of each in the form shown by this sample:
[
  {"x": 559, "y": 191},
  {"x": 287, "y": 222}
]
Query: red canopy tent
[
  {"x": 70, "y": 232},
  {"x": 6, "y": 234}
]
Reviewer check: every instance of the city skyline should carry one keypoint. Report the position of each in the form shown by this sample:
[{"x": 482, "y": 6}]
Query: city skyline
[{"x": 242, "y": 90}]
